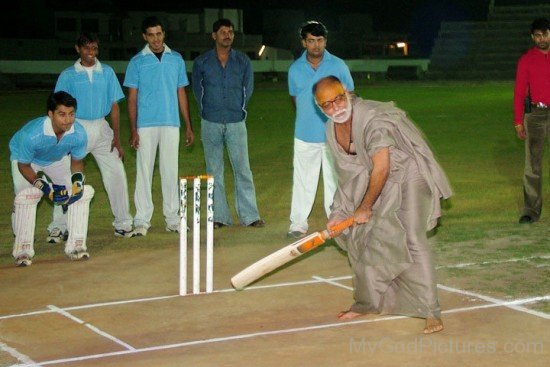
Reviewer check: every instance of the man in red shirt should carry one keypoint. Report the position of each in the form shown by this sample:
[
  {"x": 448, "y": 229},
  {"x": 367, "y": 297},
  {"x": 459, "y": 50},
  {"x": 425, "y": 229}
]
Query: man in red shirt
[{"x": 532, "y": 117}]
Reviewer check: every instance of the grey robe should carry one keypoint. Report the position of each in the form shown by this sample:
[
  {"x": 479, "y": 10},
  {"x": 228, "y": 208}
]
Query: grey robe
[{"x": 389, "y": 255}]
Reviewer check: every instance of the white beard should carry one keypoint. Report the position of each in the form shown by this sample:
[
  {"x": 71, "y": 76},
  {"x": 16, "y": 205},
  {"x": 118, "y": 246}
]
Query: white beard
[{"x": 342, "y": 115}]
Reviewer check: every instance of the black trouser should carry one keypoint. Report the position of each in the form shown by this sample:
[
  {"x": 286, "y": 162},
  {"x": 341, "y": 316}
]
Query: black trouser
[{"x": 537, "y": 126}]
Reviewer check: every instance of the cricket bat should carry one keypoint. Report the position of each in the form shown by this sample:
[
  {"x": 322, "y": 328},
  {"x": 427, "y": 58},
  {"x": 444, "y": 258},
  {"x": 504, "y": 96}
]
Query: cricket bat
[{"x": 284, "y": 255}]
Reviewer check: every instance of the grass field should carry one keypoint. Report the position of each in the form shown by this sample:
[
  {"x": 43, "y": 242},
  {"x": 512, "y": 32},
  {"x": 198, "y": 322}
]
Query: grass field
[{"x": 467, "y": 124}]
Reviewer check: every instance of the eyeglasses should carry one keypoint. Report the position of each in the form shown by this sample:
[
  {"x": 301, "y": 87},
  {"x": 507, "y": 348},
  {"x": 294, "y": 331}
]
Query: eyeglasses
[{"x": 336, "y": 101}]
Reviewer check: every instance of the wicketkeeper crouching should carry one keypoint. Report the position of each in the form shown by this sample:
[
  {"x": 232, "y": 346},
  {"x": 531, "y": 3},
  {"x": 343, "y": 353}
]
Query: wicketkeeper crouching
[
  {"x": 46, "y": 158},
  {"x": 77, "y": 206}
]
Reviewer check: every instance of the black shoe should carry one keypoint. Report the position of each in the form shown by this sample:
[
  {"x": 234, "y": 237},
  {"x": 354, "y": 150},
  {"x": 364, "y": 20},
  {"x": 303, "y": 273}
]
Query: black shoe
[
  {"x": 257, "y": 223},
  {"x": 526, "y": 219},
  {"x": 218, "y": 225}
]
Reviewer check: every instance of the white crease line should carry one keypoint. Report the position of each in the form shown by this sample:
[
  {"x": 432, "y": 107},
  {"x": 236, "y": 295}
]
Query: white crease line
[
  {"x": 464, "y": 265},
  {"x": 91, "y": 327},
  {"x": 287, "y": 284},
  {"x": 114, "y": 303},
  {"x": 498, "y": 302},
  {"x": 248, "y": 288},
  {"x": 109, "y": 336},
  {"x": 267, "y": 333},
  {"x": 331, "y": 281},
  {"x": 25, "y": 314},
  {"x": 65, "y": 313},
  {"x": 17, "y": 355}
]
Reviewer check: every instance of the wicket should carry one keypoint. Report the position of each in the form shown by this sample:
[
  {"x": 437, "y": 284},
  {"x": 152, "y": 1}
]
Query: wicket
[{"x": 197, "y": 233}]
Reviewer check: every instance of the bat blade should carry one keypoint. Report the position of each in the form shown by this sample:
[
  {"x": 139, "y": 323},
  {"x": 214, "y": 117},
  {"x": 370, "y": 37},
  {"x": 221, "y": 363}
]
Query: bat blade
[
  {"x": 280, "y": 257},
  {"x": 271, "y": 262}
]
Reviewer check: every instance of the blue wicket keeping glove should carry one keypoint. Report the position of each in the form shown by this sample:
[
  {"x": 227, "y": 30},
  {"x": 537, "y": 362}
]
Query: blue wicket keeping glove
[
  {"x": 78, "y": 187},
  {"x": 56, "y": 193}
]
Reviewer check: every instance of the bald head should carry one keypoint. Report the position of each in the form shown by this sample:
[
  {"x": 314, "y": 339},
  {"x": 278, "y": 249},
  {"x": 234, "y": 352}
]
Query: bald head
[{"x": 327, "y": 82}]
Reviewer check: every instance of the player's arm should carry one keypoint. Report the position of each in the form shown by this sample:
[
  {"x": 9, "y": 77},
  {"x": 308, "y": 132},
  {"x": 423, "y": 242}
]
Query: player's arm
[
  {"x": 26, "y": 171},
  {"x": 184, "y": 109},
  {"x": 248, "y": 81},
  {"x": 378, "y": 178},
  {"x": 196, "y": 82},
  {"x": 521, "y": 89},
  {"x": 115, "y": 125},
  {"x": 77, "y": 180},
  {"x": 132, "y": 116},
  {"x": 77, "y": 165},
  {"x": 292, "y": 87}
]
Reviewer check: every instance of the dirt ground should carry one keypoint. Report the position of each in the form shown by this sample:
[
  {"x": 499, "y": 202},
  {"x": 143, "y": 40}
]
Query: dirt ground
[{"x": 122, "y": 309}]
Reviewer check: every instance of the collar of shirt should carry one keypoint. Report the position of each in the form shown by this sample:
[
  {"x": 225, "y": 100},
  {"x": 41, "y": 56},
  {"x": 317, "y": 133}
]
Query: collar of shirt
[
  {"x": 212, "y": 55},
  {"x": 232, "y": 54},
  {"x": 147, "y": 51},
  {"x": 536, "y": 52},
  {"x": 79, "y": 68},
  {"x": 326, "y": 56},
  {"x": 48, "y": 128}
]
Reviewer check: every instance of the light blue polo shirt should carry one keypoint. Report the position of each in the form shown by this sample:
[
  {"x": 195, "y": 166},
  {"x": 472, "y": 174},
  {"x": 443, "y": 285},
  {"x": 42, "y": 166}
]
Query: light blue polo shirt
[
  {"x": 36, "y": 143},
  {"x": 310, "y": 120},
  {"x": 157, "y": 83},
  {"x": 96, "y": 97}
]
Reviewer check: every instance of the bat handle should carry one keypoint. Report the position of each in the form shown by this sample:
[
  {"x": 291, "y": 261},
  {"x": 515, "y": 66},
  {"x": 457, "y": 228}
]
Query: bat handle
[{"x": 339, "y": 227}]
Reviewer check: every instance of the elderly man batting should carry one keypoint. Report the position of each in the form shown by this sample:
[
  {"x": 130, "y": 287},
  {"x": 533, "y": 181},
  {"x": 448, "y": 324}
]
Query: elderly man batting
[{"x": 390, "y": 182}]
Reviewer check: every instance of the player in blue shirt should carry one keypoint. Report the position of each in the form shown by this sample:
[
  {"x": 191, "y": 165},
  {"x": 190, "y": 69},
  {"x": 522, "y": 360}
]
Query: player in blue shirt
[
  {"x": 310, "y": 151},
  {"x": 97, "y": 90},
  {"x": 44, "y": 152},
  {"x": 156, "y": 81}
]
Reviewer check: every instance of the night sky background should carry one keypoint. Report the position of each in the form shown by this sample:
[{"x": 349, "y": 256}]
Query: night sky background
[{"x": 419, "y": 19}]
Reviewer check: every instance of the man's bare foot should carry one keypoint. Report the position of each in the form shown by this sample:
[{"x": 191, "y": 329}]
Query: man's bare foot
[
  {"x": 348, "y": 315},
  {"x": 433, "y": 325}
]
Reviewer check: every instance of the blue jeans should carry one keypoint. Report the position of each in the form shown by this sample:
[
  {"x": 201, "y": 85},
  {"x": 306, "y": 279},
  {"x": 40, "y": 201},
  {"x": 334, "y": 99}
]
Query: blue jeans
[{"x": 234, "y": 135}]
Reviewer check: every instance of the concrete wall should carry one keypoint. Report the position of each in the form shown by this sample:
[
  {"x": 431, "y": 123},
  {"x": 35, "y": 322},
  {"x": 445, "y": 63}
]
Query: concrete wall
[
  {"x": 25, "y": 74},
  {"x": 259, "y": 66}
]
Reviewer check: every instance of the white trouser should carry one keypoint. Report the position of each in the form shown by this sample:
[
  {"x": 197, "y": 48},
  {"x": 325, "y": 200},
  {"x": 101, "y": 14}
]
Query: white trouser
[
  {"x": 166, "y": 139},
  {"x": 100, "y": 137},
  {"x": 60, "y": 174},
  {"x": 308, "y": 160}
]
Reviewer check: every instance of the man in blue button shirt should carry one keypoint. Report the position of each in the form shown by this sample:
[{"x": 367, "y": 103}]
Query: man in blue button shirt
[
  {"x": 222, "y": 84},
  {"x": 156, "y": 81},
  {"x": 97, "y": 90},
  {"x": 310, "y": 151}
]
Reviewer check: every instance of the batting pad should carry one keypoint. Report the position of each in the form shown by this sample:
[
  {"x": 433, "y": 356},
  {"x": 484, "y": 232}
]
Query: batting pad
[
  {"x": 77, "y": 222},
  {"x": 24, "y": 220}
]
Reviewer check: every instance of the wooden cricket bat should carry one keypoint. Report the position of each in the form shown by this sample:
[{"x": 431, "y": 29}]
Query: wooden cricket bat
[{"x": 284, "y": 255}]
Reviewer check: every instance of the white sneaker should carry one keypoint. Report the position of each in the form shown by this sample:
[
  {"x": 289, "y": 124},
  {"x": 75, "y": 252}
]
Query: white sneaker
[
  {"x": 173, "y": 228},
  {"x": 56, "y": 236},
  {"x": 77, "y": 251},
  {"x": 23, "y": 260},
  {"x": 79, "y": 255},
  {"x": 124, "y": 233},
  {"x": 139, "y": 231}
]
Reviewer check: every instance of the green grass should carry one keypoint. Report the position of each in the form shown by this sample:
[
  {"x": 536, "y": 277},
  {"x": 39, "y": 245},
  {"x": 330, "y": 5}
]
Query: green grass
[{"x": 468, "y": 125}]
